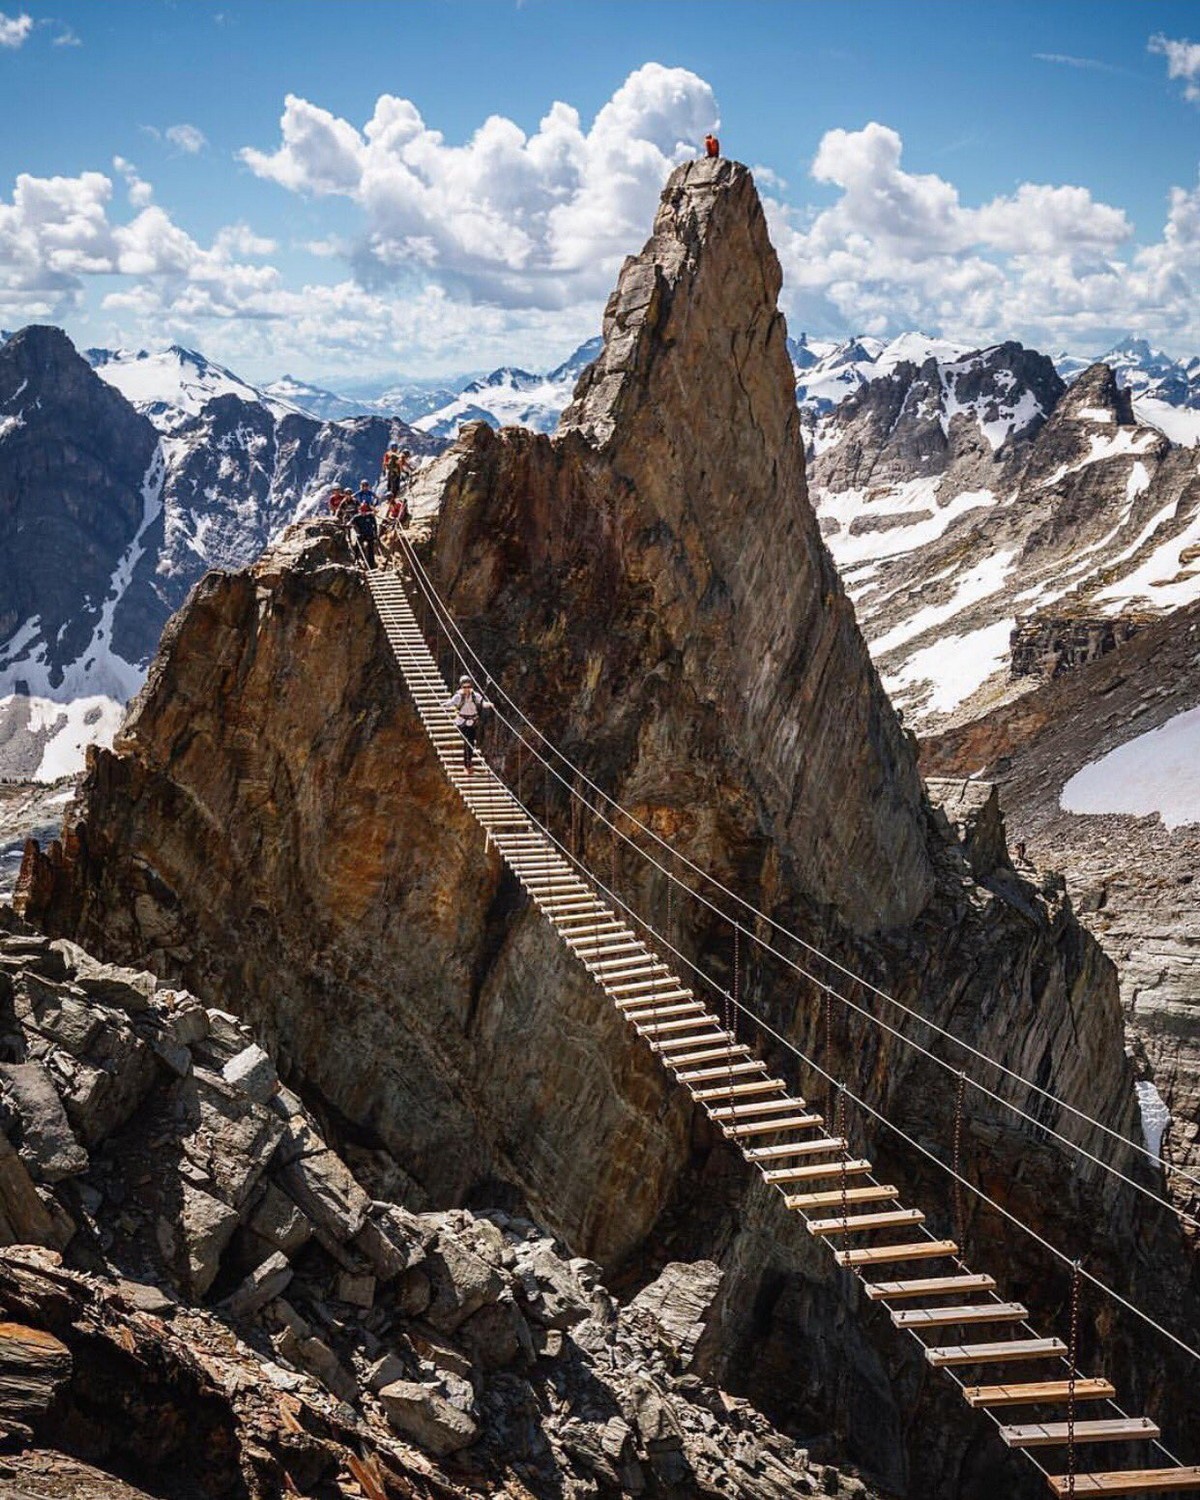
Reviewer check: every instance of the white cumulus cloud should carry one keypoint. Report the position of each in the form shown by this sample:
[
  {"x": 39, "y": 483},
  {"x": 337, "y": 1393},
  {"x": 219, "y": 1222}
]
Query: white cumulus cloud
[
  {"x": 187, "y": 138},
  {"x": 521, "y": 220},
  {"x": 900, "y": 249},
  {"x": 1183, "y": 61},
  {"x": 14, "y": 30}
]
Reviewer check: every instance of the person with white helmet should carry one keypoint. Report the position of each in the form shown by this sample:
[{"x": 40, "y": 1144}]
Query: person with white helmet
[{"x": 466, "y": 706}]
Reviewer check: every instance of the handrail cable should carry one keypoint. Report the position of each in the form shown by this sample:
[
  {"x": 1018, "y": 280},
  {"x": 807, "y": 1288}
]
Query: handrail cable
[
  {"x": 764, "y": 1025},
  {"x": 468, "y": 655},
  {"x": 821, "y": 984},
  {"x": 733, "y": 1000}
]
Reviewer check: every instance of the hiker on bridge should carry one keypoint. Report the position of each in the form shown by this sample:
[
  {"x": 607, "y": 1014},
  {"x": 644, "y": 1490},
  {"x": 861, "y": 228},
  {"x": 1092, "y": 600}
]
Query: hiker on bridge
[
  {"x": 466, "y": 705},
  {"x": 366, "y": 528}
]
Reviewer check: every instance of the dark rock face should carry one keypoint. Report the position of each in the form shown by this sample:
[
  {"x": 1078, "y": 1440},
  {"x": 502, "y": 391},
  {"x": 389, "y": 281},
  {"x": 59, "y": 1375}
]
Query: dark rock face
[
  {"x": 273, "y": 831},
  {"x": 236, "y": 475},
  {"x": 948, "y": 559},
  {"x": 917, "y": 422},
  {"x": 76, "y": 477},
  {"x": 1048, "y": 645}
]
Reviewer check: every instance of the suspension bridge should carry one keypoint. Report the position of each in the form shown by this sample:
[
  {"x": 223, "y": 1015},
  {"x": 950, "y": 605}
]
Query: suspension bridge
[{"x": 1029, "y": 1385}]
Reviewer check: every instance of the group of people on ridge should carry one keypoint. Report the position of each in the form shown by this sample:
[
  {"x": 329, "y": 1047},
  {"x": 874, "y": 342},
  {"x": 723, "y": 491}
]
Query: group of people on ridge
[{"x": 357, "y": 509}]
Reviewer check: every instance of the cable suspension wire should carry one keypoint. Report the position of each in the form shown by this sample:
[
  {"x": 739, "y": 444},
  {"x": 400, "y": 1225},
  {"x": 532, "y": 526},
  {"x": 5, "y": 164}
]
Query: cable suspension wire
[
  {"x": 838, "y": 1086},
  {"x": 831, "y": 993},
  {"x": 467, "y": 653}
]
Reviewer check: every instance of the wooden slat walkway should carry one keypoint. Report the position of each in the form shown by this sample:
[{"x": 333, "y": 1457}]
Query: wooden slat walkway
[{"x": 758, "y": 1113}]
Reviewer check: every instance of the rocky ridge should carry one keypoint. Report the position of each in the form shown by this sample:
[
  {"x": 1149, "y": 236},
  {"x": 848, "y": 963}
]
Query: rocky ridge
[
  {"x": 218, "y": 1294},
  {"x": 272, "y": 831},
  {"x": 952, "y": 551}
]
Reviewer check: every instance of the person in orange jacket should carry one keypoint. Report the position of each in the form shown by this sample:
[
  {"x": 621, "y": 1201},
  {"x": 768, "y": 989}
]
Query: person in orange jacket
[{"x": 712, "y": 146}]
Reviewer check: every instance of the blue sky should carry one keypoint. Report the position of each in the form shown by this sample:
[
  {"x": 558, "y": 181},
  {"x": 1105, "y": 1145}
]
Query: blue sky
[{"x": 1027, "y": 170}]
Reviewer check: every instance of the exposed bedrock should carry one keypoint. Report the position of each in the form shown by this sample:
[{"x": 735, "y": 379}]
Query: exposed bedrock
[{"x": 273, "y": 830}]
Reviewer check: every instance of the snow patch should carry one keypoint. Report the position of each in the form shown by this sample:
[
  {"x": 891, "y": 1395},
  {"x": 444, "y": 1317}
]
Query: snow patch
[
  {"x": 915, "y": 497},
  {"x": 1158, "y": 772},
  {"x": 1178, "y": 424},
  {"x": 75, "y": 725},
  {"x": 954, "y": 667},
  {"x": 1155, "y": 1116},
  {"x": 980, "y": 582}
]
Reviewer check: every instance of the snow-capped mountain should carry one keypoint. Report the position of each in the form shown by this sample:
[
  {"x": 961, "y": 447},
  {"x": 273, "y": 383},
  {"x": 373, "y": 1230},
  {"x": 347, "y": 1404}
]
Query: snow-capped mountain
[
  {"x": 110, "y": 513},
  {"x": 1165, "y": 391},
  {"x": 993, "y": 526},
  {"x": 173, "y": 384},
  {"x": 1145, "y": 371},
  {"x": 407, "y": 400},
  {"x": 299, "y": 395},
  {"x": 511, "y": 396}
]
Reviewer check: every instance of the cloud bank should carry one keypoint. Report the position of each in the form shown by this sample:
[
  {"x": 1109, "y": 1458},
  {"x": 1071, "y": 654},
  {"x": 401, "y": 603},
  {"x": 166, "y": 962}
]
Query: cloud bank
[{"x": 506, "y": 244}]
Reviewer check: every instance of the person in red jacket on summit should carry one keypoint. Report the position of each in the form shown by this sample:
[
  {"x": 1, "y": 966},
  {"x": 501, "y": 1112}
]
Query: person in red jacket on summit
[{"x": 712, "y": 146}]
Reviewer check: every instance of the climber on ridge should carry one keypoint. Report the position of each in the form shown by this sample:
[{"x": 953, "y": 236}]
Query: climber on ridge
[
  {"x": 712, "y": 146},
  {"x": 397, "y": 462},
  {"x": 366, "y": 529},
  {"x": 466, "y": 705},
  {"x": 395, "y": 519}
]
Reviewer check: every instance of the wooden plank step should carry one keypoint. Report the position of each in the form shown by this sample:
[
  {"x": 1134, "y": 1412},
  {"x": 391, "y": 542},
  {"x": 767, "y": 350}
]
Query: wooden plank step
[
  {"x": 662, "y": 977},
  {"x": 880, "y": 1255},
  {"x": 947, "y": 1317},
  {"x": 928, "y": 1286},
  {"x": 725, "y": 1091},
  {"x": 585, "y": 946},
  {"x": 830, "y": 1198},
  {"x": 641, "y": 1005},
  {"x": 713, "y": 1053},
  {"x": 749, "y": 1111},
  {"x": 708, "y": 1033},
  {"x": 705, "y": 1075},
  {"x": 1128, "y": 1482},
  {"x": 1055, "y": 1434},
  {"x": 1038, "y": 1393},
  {"x": 799, "y": 1148},
  {"x": 773, "y": 1127},
  {"x": 633, "y": 964},
  {"x": 693, "y": 1006},
  {"x": 856, "y": 1223},
  {"x": 994, "y": 1354},
  {"x": 635, "y": 987},
  {"x": 821, "y": 1171},
  {"x": 660, "y": 1028}
]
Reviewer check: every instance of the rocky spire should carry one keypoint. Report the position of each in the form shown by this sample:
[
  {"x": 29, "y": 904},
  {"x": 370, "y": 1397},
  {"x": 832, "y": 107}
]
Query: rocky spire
[{"x": 696, "y": 457}]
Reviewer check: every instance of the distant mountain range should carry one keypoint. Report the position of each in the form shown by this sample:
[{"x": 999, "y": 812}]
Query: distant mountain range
[
  {"x": 177, "y": 380},
  {"x": 921, "y": 453}
]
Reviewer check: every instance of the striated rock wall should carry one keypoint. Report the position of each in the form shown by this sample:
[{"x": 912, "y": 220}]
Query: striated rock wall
[{"x": 272, "y": 830}]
